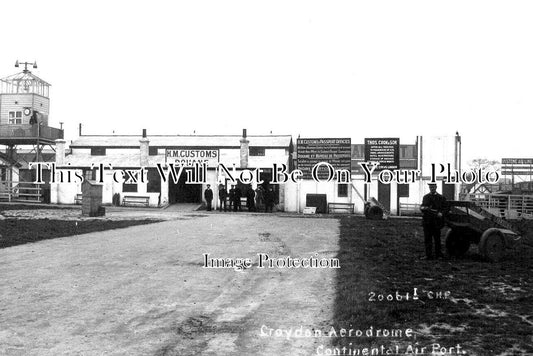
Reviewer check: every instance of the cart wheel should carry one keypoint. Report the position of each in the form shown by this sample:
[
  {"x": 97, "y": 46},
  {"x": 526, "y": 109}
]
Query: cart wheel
[
  {"x": 374, "y": 213},
  {"x": 457, "y": 243},
  {"x": 491, "y": 245}
]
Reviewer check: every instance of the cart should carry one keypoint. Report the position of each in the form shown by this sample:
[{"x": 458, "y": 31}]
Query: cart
[{"x": 470, "y": 223}]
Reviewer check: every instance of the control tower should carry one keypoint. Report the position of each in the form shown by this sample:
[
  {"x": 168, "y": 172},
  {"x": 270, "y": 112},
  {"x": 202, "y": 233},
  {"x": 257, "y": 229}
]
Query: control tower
[{"x": 25, "y": 135}]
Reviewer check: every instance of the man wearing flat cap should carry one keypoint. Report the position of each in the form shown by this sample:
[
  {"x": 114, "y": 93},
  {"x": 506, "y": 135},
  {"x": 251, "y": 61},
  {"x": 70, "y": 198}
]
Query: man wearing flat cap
[{"x": 433, "y": 208}]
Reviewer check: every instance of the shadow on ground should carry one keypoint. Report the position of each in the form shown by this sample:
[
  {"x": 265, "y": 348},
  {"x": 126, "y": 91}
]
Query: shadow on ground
[{"x": 484, "y": 307}]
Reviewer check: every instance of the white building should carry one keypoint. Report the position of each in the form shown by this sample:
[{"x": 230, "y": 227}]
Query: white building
[{"x": 130, "y": 153}]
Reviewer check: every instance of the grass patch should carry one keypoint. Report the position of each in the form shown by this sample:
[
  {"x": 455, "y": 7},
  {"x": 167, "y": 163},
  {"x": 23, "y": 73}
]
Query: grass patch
[
  {"x": 488, "y": 310},
  {"x": 20, "y": 231}
]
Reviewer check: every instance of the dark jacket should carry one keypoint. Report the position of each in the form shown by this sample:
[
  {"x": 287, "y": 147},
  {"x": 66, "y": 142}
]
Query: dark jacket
[
  {"x": 222, "y": 193},
  {"x": 237, "y": 194},
  {"x": 208, "y": 194},
  {"x": 435, "y": 203}
]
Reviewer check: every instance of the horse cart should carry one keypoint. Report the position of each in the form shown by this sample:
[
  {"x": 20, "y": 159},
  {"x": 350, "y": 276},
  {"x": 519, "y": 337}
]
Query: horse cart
[{"x": 470, "y": 223}]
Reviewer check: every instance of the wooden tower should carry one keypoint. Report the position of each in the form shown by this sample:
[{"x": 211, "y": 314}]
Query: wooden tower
[{"x": 24, "y": 129}]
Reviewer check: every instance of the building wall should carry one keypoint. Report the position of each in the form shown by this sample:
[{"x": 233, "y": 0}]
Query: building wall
[
  {"x": 442, "y": 149},
  {"x": 131, "y": 158},
  {"x": 34, "y": 101}
]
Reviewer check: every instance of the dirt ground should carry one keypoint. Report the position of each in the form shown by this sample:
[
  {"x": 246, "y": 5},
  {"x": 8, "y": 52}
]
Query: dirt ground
[{"x": 143, "y": 290}]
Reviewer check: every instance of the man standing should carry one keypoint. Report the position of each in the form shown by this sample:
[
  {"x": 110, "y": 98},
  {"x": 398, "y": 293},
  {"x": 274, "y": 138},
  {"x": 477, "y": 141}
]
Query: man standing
[
  {"x": 433, "y": 208},
  {"x": 208, "y": 195},
  {"x": 269, "y": 199},
  {"x": 250, "y": 198},
  {"x": 222, "y": 195},
  {"x": 237, "y": 199},
  {"x": 231, "y": 198}
]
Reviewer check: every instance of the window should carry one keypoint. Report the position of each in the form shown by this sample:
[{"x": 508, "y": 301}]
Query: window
[
  {"x": 342, "y": 191},
  {"x": 403, "y": 190},
  {"x": 152, "y": 151},
  {"x": 257, "y": 151},
  {"x": 89, "y": 174},
  {"x": 154, "y": 181},
  {"x": 98, "y": 151},
  {"x": 129, "y": 188},
  {"x": 15, "y": 117}
]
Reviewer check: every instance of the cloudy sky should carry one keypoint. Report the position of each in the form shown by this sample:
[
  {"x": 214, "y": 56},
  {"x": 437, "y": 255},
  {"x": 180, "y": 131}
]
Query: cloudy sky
[{"x": 311, "y": 68}]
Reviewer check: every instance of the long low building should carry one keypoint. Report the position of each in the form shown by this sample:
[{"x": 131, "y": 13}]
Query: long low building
[
  {"x": 130, "y": 153},
  {"x": 123, "y": 156}
]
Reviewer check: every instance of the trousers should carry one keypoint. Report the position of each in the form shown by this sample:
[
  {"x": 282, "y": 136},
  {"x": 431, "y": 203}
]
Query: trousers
[{"x": 432, "y": 235}]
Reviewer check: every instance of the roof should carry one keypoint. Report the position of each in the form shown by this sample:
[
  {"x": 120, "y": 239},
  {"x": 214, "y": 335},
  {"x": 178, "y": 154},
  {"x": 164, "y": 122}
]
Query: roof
[
  {"x": 115, "y": 160},
  {"x": 24, "y": 82},
  {"x": 182, "y": 141}
]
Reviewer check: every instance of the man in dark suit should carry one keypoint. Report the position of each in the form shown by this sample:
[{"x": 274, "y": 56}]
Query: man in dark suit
[
  {"x": 433, "y": 208},
  {"x": 208, "y": 195},
  {"x": 237, "y": 199},
  {"x": 222, "y": 195},
  {"x": 232, "y": 198}
]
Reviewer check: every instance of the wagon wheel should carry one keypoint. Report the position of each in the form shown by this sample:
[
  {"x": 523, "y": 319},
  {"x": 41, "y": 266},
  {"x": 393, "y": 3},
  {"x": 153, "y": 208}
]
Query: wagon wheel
[
  {"x": 492, "y": 245},
  {"x": 457, "y": 243},
  {"x": 374, "y": 213}
]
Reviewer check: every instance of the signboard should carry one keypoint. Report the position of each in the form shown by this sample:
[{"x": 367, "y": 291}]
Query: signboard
[
  {"x": 335, "y": 151},
  {"x": 188, "y": 157},
  {"x": 516, "y": 161},
  {"x": 386, "y": 151},
  {"x": 517, "y": 166}
]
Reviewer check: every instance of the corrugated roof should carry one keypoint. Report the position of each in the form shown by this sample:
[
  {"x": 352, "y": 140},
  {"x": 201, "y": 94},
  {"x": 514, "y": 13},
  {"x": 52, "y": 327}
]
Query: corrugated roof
[{"x": 182, "y": 141}]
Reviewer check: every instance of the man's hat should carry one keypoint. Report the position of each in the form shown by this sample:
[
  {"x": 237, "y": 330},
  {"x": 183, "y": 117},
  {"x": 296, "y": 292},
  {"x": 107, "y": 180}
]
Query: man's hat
[{"x": 432, "y": 184}]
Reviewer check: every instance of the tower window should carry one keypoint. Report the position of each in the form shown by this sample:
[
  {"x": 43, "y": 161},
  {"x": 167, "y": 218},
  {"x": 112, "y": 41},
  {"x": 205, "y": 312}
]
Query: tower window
[{"x": 15, "y": 117}]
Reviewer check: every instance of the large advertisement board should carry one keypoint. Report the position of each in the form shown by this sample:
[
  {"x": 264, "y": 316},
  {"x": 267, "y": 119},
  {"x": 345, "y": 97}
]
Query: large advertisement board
[
  {"x": 335, "y": 151},
  {"x": 386, "y": 151}
]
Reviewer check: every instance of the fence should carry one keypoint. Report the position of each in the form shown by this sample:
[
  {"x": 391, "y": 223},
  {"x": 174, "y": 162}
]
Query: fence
[
  {"x": 504, "y": 205},
  {"x": 14, "y": 191}
]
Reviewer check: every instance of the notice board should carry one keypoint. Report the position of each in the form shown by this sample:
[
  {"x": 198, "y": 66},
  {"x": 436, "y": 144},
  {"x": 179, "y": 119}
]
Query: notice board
[
  {"x": 335, "y": 151},
  {"x": 386, "y": 151}
]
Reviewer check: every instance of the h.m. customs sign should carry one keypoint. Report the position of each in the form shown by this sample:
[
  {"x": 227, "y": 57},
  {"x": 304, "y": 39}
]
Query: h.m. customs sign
[{"x": 190, "y": 157}]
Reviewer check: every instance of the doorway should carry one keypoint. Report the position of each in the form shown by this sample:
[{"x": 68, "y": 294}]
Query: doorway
[{"x": 182, "y": 192}]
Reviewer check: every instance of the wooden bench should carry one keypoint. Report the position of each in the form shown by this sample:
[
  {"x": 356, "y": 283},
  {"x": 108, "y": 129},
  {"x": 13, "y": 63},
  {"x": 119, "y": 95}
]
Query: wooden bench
[
  {"x": 410, "y": 209},
  {"x": 78, "y": 199},
  {"x": 135, "y": 200},
  {"x": 341, "y": 206}
]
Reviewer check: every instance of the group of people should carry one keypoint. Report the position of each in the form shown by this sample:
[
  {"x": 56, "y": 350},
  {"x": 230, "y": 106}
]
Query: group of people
[{"x": 256, "y": 200}]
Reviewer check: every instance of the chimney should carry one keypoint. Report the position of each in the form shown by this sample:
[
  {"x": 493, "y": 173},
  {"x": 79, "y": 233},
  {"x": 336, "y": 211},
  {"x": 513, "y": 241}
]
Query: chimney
[
  {"x": 60, "y": 152},
  {"x": 244, "y": 150},
  {"x": 80, "y": 130},
  {"x": 144, "y": 149}
]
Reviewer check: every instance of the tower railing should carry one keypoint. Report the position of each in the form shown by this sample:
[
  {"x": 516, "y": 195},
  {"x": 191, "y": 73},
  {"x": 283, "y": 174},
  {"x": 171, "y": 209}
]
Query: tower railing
[{"x": 30, "y": 131}]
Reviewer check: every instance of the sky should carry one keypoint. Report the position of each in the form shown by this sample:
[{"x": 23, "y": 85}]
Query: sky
[{"x": 311, "y": 68}]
